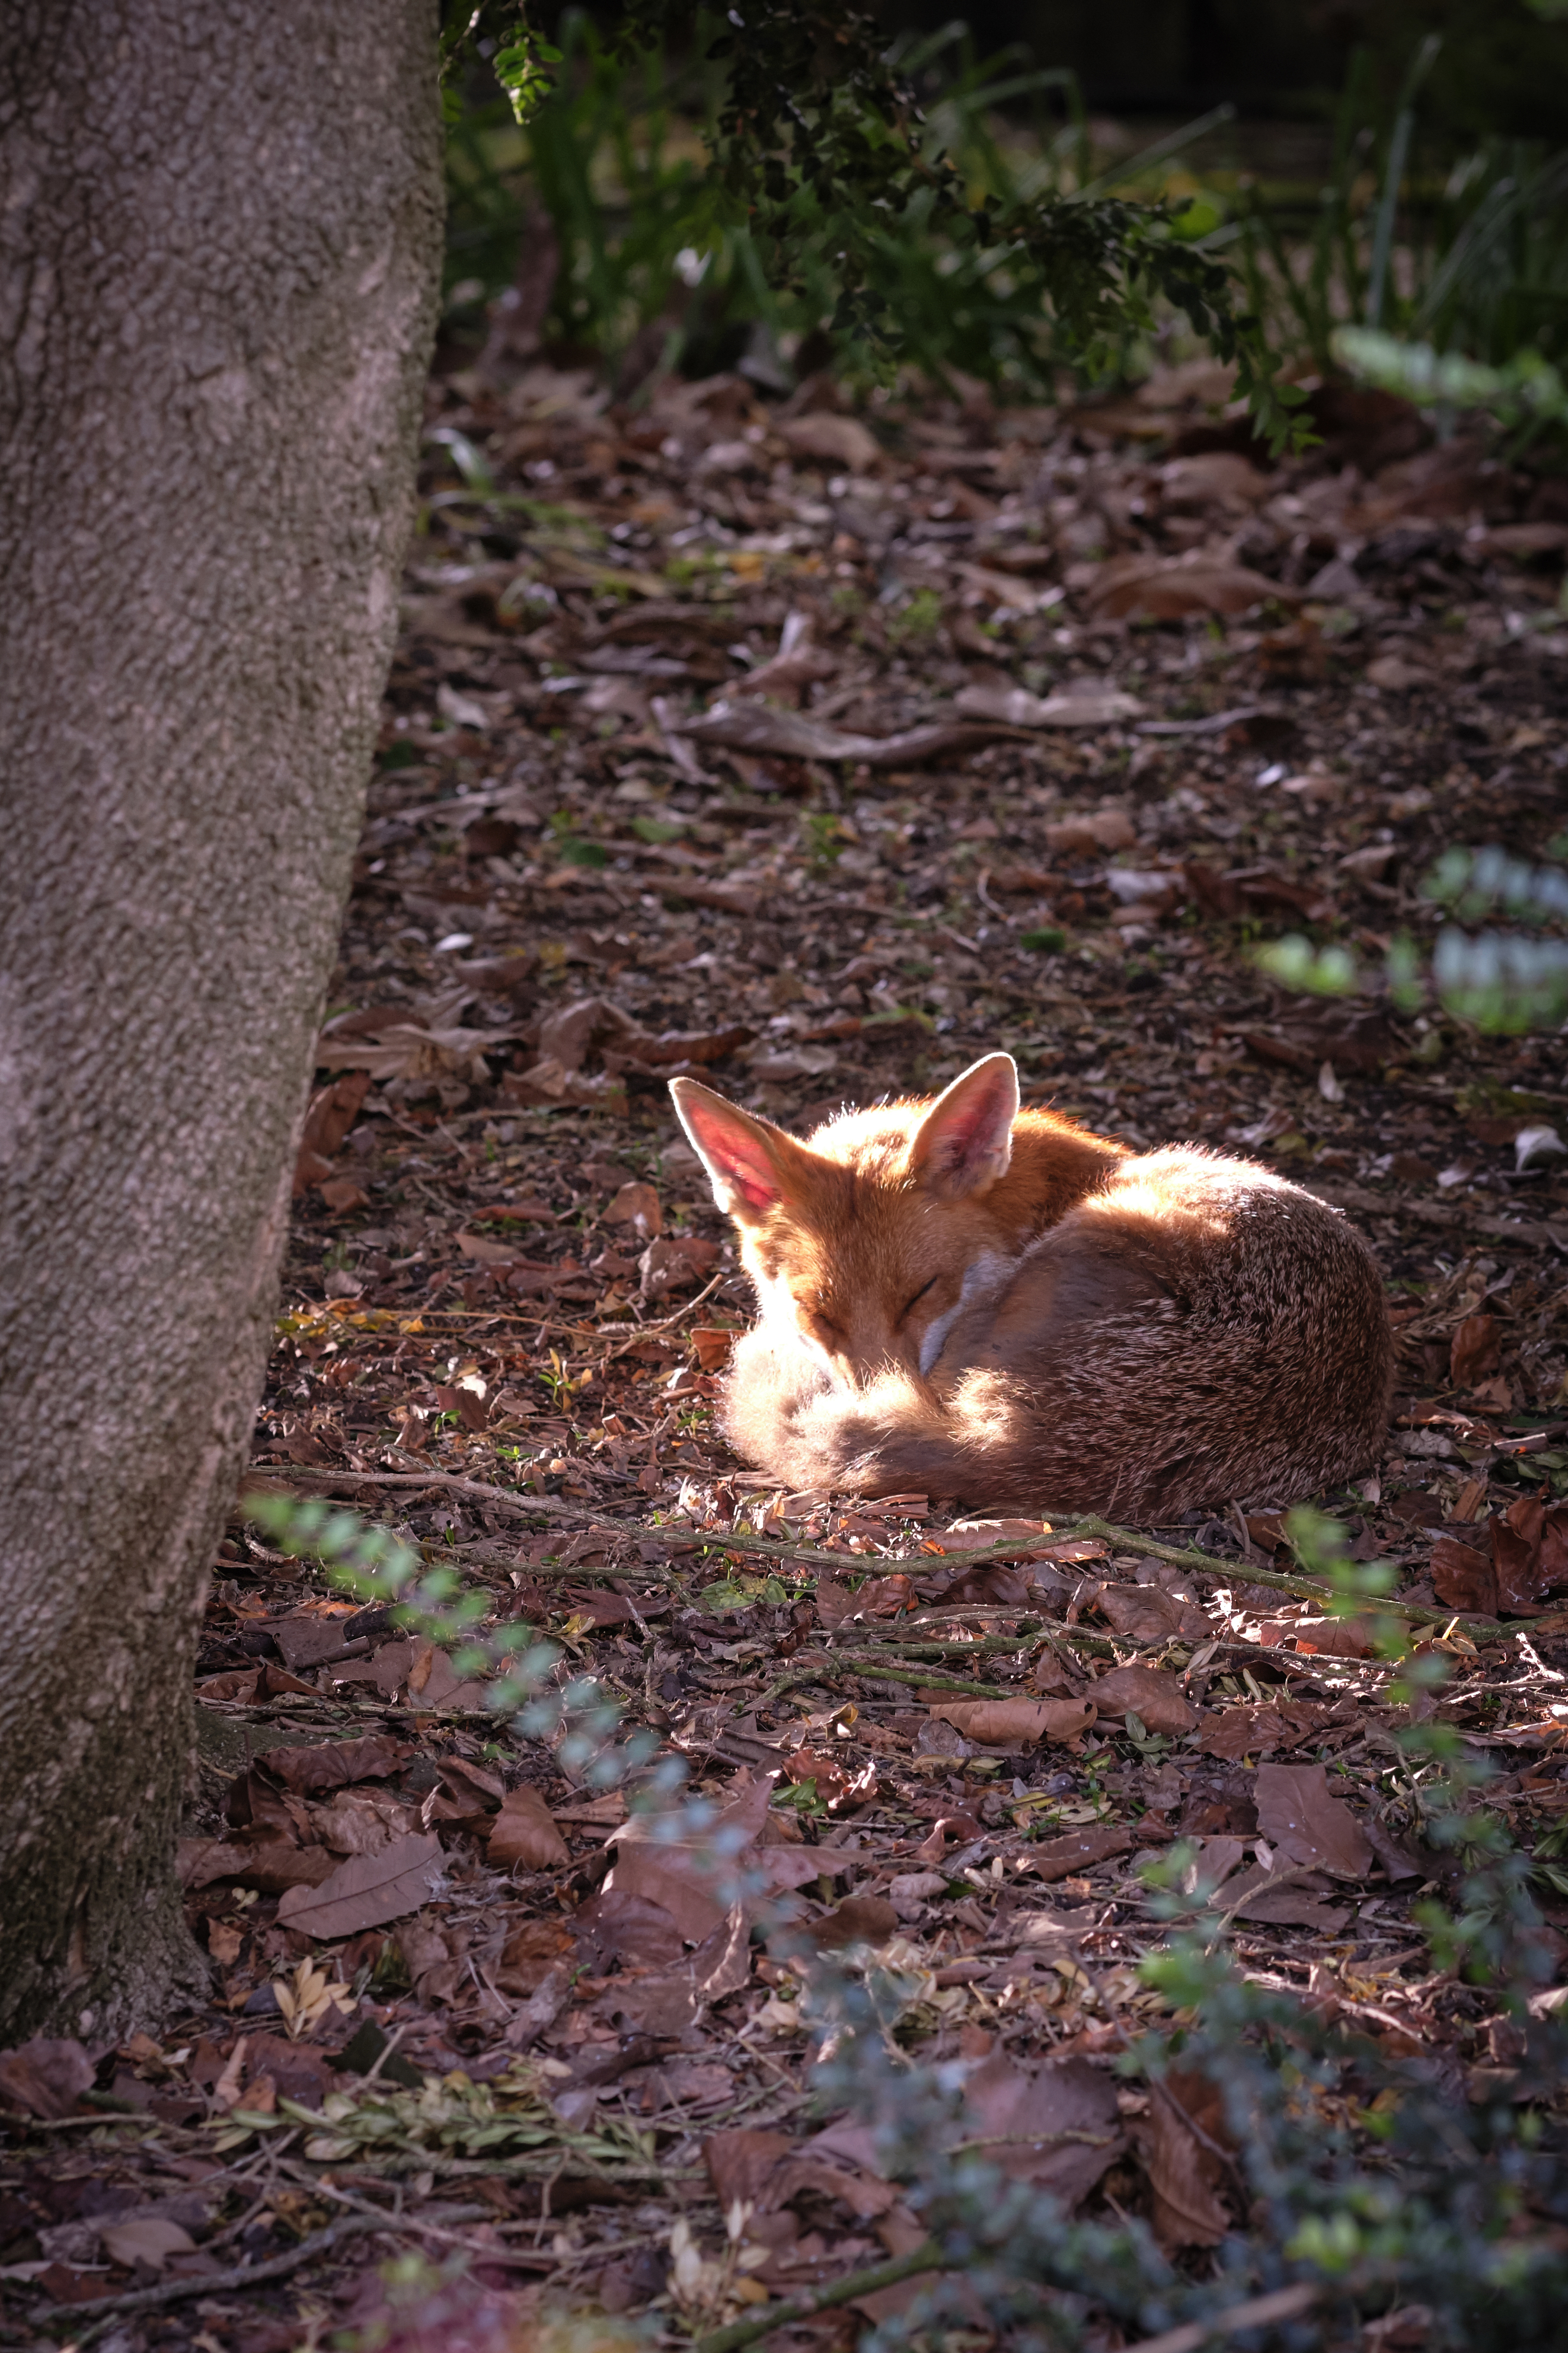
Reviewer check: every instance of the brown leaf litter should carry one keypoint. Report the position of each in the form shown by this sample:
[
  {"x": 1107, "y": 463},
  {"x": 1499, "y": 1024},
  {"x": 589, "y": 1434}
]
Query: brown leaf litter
[{"x": 854, "y": 782}]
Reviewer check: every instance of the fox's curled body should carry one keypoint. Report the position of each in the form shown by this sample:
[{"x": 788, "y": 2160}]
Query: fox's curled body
[{"x": 968, "y": 1301}]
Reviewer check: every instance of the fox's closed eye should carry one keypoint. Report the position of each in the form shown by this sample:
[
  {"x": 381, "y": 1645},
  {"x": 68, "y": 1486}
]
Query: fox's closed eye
[{"x": 919, "y": 1295}]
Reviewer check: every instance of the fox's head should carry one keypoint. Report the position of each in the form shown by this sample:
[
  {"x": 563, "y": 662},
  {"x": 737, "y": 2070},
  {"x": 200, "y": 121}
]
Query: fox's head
[{"x": 864, "y": 1237}]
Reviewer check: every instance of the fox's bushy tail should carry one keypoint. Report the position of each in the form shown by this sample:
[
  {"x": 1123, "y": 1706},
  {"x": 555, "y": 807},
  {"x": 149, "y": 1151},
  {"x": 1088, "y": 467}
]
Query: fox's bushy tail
[
  {"x": 1132, "y": 1429},
  {"x": 892, "y": 1436}
]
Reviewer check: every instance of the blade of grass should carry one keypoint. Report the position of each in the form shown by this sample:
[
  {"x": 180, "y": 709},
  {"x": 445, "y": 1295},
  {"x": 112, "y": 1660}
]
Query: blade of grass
[{"x": 1393, "y": 177}]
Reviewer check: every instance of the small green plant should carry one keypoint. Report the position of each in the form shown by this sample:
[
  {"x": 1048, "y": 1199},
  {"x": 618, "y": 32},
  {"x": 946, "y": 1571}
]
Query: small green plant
[
  {"x": 1358, "y": 1586},
  {"x": 1320, "y": 971},
  {"x": 825, "y": 842},
  {"x": 920, "y": 619},
  {"x": 1500, "y": 981},
  {"x": 1527, "y": 390},
  {"x": 741, "y": 1592},
  {"x": 571, "y": 848}
]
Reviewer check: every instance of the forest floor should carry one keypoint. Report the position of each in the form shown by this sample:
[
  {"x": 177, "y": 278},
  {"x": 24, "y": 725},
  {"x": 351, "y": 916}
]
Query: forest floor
[{"x": 820, "y": 754}]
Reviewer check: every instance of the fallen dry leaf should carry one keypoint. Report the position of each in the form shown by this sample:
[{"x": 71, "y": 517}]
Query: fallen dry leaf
[
  {"x": 307, "y": 1637},
  {"x": 668, "y": 2003},
  {"x": 712, "y": 1347},
  {"x": 1184, "y": 2171},
  {"x": 691, "y": 1881},
  {"x": 468, "y": 1795},
  {"x": 741, "y": 2163},
  {"x": 910, "y": 1891},
  {"x": 1101, "y": 828},
  {"x": 883, "y": 1597},
  {"x": 963, "y": 1827},
  {"x": 148, "y": 2239},
  {"x": 1475, "y": 1350},
  {"x": 858, "y": 1920},
  {"x": 1100, "y": 706},
  {"x": 838, "y": 1790},
  {"x": 1143, "y": 1613},
  {"x": 434, "y": 1969},
  {"x": 524, "y": 1834},
  {"x": 336, "y": 1762},
  {"x": 1464, "y": 1579},
  {"x": 796, "y": 735},
  {"x": 841, "y": 440},
  {"x": 617, "y": 1926},
  {"x": 1077, "y": 1851},
  {"x": 44, "y": 2077},
  {"x": 1057, "y": 2125},
  {"x": 271, "y": 1865},
  {"x": 533, "y": 1950},
  {"x": 1167, "y": 589},
  {"x": 834, "y": 1603},
  {"x": 674, "y": 1262},
  {"x": 1530, "y": 1553},
  {"x": 367, "y": 1890},
  {"x": 1297, "y": 1814},
  {"x": 1016, "y": 1722},
  {"x": 1283, "y": 1897},
  {"x": 638, "y": 1206},
  {"x": 201, "y": 1862},
  {"x": 1015, "y": 1539},
  {"x": 1151, "y": 1693},
  {"x": 1216, "y": 478},
  {"x": 1256, "y": 889},
  {"x": 333, "y": 1112},
  {"x": 840, "y": 2163},
  {"x": 1252, "y": 1731}
]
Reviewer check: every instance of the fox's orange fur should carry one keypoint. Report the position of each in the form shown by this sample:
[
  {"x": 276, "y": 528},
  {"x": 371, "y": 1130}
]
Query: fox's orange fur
[{"x": 971, "y": 1301}]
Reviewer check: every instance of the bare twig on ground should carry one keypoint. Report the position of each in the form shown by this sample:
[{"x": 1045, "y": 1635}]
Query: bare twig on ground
[
  {"x": 667, "y": 1323},
  {"x": 1257, "y": 2312},
  {"x": 864, "y": 2283},
  {"x": 243, "y": 2275}
]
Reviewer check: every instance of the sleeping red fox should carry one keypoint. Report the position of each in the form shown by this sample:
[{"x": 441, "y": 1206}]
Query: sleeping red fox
[{"x": 971, "y": 1301}]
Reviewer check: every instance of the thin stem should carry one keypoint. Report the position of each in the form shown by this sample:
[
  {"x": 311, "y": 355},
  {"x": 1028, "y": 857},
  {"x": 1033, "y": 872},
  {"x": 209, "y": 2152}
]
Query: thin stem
[
  {"x": 244, "y": 2275},
  {"x": 780, "y": 2315},
  {"x": 1067, "y": 1529}
]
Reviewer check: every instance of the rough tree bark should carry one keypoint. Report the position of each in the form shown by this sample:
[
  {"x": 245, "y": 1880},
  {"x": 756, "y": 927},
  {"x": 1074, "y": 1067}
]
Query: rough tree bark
[{"x": 219, "y": 253}]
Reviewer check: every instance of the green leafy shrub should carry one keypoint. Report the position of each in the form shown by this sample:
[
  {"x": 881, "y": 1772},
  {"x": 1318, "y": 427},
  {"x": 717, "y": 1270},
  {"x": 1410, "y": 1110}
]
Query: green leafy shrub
[{"x": 789, "y": 172}]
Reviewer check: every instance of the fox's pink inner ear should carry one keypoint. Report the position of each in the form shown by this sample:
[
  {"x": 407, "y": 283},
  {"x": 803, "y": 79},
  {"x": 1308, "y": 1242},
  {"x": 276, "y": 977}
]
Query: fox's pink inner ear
[
  {"x": 966, "y": 1141},
  {"x": 741, "y": 1155}
]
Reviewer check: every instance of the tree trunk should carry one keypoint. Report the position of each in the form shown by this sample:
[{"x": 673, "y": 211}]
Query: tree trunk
[{"x": 219, "y": 250}]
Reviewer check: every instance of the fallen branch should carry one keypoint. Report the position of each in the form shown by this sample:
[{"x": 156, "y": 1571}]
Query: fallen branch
[
  {"x": 1257, "y": 2312},
  {"x": 1009, "y": 1645},
  {"x": 546, "y": 2164},
  {"x": 1232, "y": 1572},
  {"x": 647, "y": 1331},
  {"x": 505, "y": 1498},
  {"x": 780, "y": 2315},
  {"x": 243, "y": 2275},
  {"x": 828, "y": 1668}
]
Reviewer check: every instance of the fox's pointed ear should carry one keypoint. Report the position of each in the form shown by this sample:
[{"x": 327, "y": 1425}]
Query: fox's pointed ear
[
  {"x": 965, "y": 1140},
  {"x": 749, "y": 1161}
]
